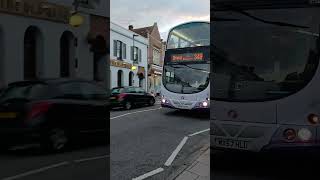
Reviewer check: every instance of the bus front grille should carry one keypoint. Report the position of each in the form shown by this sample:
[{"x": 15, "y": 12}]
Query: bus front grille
[{"x": 239, "y": 131}]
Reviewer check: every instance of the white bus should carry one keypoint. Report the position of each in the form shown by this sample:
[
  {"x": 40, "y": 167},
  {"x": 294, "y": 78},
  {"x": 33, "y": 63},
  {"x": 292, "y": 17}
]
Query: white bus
[
  {"x": 185, "y": 80},
  {"x": 266, "y": 75}
]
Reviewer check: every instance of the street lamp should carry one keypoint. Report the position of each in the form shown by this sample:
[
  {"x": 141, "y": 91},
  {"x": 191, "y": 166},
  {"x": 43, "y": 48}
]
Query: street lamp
[
  {"x": 133, "y": 36},
  {"x": 76, "y": 19}
]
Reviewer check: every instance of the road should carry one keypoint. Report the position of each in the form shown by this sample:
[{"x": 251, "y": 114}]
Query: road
[
  {"x": 144, "y": 139},
  {"x": 81, "y": 163}
]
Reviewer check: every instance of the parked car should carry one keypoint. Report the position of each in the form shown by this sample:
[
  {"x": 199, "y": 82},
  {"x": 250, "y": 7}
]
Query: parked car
[
  {"x": 52, "y": 112},
  {"x": 1, "y": 90},
  {"x": 130, "y": 96}
]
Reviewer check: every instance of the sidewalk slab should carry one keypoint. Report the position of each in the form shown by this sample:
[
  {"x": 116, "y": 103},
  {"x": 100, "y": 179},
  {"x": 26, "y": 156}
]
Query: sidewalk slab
[
  {"x": 199, "y": 169},
  {"x": 186, "y": 175}
]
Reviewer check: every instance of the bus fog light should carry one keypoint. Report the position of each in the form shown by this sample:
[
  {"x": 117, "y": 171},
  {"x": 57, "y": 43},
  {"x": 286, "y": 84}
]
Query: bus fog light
[
  {"x": 304, "y": 134},
  {"x": 205, "y": 104},
  {"x": 289, "y": 134},
  {"x": 313, "y": 119}
]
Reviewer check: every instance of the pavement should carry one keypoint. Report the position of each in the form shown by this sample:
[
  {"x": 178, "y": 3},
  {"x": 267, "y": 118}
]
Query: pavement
[{"x": 199, "y": 169}]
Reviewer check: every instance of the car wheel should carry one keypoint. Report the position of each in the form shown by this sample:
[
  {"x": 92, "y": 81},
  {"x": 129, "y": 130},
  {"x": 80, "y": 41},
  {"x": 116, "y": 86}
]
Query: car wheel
[
  {"x": 151, "y": 102},
  {"x": 128, "y": 105},
  {"x": 57, "y": 140}
]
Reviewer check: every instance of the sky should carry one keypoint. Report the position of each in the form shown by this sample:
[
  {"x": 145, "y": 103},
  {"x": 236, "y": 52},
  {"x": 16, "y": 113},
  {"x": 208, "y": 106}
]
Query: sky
[{"x": 167, "y": 13}]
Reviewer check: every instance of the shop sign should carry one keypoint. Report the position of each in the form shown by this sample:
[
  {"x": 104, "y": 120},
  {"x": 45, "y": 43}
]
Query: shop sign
[
  {"x": 121, "y": 64},
  {"x": 36, "y": 9}
]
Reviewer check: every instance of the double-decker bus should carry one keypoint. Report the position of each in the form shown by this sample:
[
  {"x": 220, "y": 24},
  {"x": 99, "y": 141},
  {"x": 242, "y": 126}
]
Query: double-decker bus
[
  {"x": 186, "y": 69},
  {"x": 266, "y": 75}
]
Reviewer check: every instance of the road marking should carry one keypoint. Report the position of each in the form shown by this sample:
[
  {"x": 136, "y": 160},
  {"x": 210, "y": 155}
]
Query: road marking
[
  {"x": 91, "y": 159},
  {"x": 151, "y": 173},
  {"x": 135, "y": 112},
  {"x": 172, "y": 156},
  {"x": 176, "y": 151},
  {"x": 36, "y": 171},
  {"x": 199, "y": 132}
]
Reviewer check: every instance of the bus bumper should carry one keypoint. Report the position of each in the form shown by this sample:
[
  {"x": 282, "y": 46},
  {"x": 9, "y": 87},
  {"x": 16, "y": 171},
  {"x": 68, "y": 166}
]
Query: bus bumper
[{"x": 259, "y": 137}]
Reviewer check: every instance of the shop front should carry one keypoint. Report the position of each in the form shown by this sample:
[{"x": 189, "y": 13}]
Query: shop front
[{"x": 155, "y": 75}]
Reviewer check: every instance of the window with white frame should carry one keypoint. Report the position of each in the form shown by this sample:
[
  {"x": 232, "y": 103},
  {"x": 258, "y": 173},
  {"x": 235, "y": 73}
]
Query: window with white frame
[
  {"x": 156, "y": 56},
  {"x": 119, "y": 50},
  {"x": 136, "y": 54}
]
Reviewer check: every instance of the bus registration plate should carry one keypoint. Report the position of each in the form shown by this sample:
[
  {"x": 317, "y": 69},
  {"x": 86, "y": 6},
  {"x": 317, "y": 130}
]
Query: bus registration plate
[{"x": 231, "y": 143}]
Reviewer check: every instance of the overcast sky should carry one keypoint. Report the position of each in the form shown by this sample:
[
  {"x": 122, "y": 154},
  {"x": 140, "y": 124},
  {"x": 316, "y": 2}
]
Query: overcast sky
[{"x": 167, "y": 13}]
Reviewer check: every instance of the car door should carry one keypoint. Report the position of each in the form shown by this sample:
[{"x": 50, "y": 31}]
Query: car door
[
  {"x": 132, "y": 95},
  {"x": 142, "y": 95},
  {"x": 98, "y": 107},
  {"x": 72, "y": 107}
]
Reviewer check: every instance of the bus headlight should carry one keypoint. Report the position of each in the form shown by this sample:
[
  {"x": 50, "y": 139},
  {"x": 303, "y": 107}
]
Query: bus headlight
[
  {"x": 304, "y": 134},
  {"x": 205, "y": 104}
]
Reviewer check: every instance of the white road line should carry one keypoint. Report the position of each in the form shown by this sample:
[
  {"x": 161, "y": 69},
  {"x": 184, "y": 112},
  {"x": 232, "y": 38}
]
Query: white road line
[
  {"x": 151, "y": 173},
  {"x": 176, "y": 151},
  {"x": 36, "y": 171},
  {"x": 199, "y": 132},
  {"x": 90, "y": 159},
  {"x": 126, "y": 114}
]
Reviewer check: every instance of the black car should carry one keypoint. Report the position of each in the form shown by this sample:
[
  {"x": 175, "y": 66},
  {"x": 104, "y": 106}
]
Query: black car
[
  {"x": 1, "y": 90},
  {"x": 130, "y": 96},
  {"x": 52, "y": 112}
]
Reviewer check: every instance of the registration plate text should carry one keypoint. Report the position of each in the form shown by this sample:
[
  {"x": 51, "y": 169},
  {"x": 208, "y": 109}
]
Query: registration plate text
[{"x": 231, "y": 143}]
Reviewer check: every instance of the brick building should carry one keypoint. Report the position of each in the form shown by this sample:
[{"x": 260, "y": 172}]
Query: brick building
[{"x": 156, "y": 51}]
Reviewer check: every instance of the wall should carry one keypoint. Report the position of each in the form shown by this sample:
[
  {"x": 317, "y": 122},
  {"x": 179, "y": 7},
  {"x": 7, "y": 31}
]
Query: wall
[
  {"x": 13, "y": 47},
  {"x": 101, "y": 9},
  {"x": 119, "y": 33}
]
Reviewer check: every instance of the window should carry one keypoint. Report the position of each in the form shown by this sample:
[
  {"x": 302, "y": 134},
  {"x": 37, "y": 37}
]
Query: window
[
  {"x": 117, "y": 90},
  {"x": 156, "y": 56},
  {"x": 71, "y": 90},
  {"x": 29, "y": 92},
  {"x": 130, "y": 78},
  {"x": 140, "y": 90},
  {"x": 92, "y": 91},
  {"x": 119, "y": 50},
  {"x": 131, "y": 90},
  {"x": 189, "y": 35},
  {"x": 120, "y": 78},
  {"x": 135, "y": 54},
  {"x": 82, "y": 90},
  {"x": 274, "y": 62}
]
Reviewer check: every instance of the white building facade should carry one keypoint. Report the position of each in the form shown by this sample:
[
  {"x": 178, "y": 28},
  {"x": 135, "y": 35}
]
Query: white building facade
[
  {"x": 37, "y": 42},
  {"x": 129, "y": 58}
]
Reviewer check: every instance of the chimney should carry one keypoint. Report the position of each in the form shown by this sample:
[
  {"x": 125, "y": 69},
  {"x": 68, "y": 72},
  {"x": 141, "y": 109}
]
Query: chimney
[{"x": 130, "y": 27}]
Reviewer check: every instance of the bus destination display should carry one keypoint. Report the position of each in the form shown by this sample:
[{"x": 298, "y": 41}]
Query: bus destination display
[{"x": 187, "y": 57}]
